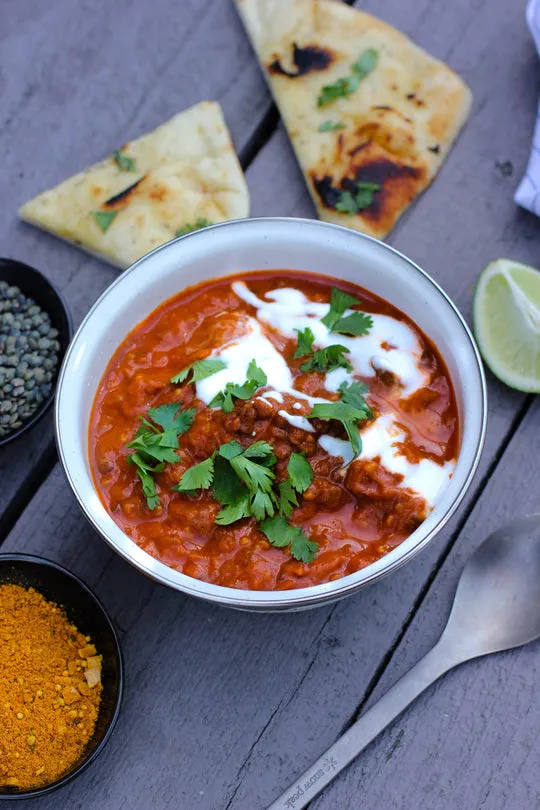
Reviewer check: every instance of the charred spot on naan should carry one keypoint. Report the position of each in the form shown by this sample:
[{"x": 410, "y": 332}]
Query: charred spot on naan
[
  {"x": 309, "y": 59},
  {"x": 119, "y": 200},
  {"x": 399, "y": 181}
]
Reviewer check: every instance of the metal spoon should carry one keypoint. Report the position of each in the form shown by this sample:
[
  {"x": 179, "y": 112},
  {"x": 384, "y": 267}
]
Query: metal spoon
[{"x": 496, "y": 607}]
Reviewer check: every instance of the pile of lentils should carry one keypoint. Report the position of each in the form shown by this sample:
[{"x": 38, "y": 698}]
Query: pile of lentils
[{"x": 29, "y": 350}]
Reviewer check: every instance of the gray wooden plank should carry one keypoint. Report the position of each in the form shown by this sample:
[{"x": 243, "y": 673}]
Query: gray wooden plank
[
  {"x": 77, "y": 81},
  {"x": 471, "y": 741},
  {"x": 217, "y": 691}
]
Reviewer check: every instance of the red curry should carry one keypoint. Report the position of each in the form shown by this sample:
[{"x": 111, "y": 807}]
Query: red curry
[{"x": 355, "y": 514}]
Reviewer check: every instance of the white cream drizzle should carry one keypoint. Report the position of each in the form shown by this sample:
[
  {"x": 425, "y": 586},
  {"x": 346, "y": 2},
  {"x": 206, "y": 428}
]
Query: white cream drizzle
[
  {"x": 298, "y": 421},
  {"x": 272, "y": 395},
  {"x": 288, "y": 310},
  {"x": 427, "y": 478},
  {"x": 337, "y": 447}
]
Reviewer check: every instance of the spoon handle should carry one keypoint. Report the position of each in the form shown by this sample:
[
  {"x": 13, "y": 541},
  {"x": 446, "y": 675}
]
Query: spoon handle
[{"x": 361, "y": 733}]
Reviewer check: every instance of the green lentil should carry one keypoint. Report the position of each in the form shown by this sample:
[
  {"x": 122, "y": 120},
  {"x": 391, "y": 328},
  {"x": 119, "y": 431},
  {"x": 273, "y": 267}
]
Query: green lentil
[{"x": 29, "y": 350}]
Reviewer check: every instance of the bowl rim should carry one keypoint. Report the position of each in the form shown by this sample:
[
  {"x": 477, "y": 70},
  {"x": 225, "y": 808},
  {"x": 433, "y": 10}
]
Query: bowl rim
[
  {"x": 297, "y": 598},
  {"x": 44, "y": 407},
  {"x": 63, "y": 780}
]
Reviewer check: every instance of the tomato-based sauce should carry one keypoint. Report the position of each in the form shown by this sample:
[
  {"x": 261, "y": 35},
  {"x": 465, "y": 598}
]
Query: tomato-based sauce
[{"x": 355, "y": 512}]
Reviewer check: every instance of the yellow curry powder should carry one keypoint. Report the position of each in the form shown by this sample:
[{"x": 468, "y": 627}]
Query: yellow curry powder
[{"x": 50, "y": 689}]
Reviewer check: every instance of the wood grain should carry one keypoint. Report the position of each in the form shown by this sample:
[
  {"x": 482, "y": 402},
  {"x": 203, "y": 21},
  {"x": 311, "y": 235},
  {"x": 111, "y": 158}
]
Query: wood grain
[
  {"x": 223, "y": 709},
  {"x": 77, "y": 81}
]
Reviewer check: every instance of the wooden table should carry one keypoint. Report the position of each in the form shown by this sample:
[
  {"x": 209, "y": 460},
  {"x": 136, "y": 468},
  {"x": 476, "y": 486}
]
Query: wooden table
[{"x": 223, "y": 709}]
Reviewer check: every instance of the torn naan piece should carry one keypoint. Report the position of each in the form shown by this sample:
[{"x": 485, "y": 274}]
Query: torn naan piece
[
  {"x": 182, "y": 176},
  {"x": 371, "y": 116}
]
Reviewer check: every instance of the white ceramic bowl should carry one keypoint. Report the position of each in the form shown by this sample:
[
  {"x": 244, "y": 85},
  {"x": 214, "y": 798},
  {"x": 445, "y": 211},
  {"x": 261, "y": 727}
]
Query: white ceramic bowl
[{"x": 265, "y": 244}]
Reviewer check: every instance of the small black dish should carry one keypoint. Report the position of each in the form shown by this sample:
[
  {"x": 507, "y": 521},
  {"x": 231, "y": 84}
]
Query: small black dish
[
  {"x": 34, "y": 285},
  {"x": 88, "y": 614}
]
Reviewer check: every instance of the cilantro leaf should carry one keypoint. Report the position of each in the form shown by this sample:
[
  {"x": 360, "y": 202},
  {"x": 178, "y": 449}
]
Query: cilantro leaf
[
  {"x": 200, "y": 476},
  {"x": 288, "y": 498},
  {"x": 230, "y": 449},
  {"x": 277, "y": 531},
  {"x": 254, "y": 475},
  {"x": 150, "y": 452},
  {"x": 170, "y": 417},
  {"x": 305, "y": 342},
  {"x": 104, "y": 219},
  {"x": 263, "y": 504},
  {"x": 256, "y": 378},
  {"x": 357, "y": 324},
  {"x": 189, "y": 228},
  {"x": 201, "y": 369},
  {"x": 349, "y": 417},
  {"x": 302, "y": 548},
  {"x": 329, "y": 126},
  {"x": 300, "y": 472},
  {"x": 352, "y": 203},
  {"x": 258, "y": 450},
  {"x": 328, "y": 359},
  {"x": 149, "y": 489},
  {"x": 341, "y": 88},
  {"x": 154, "y": 447},
  {"x": 237, "y": 510},
  {"x": 366, "y": 63},
  {"x": 124, "y": 162},
  {"x": 339, "y": 302},
  {"x": 256, "y": 374},
  {"x": 353, "y": 394},
  {"x": 227, "y": 487},
  {"x": 280, "y": 534},
  {"x": 347, "y": 85},
  {"x": 346, "y": 203}
]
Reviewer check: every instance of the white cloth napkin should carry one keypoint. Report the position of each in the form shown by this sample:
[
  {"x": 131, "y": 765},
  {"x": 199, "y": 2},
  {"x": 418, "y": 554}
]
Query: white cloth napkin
[{"x": 528, "y": 191}]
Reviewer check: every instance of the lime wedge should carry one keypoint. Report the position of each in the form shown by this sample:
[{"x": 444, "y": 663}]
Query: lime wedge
[{"x": 506, "y": 314}]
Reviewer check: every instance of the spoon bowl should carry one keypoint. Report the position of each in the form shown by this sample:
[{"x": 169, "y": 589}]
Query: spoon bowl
[{"x": 497, "y": 602}]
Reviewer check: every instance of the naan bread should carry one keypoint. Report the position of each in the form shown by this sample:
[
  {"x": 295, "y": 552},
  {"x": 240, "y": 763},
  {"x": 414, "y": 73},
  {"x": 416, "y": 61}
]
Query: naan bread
[
  {"x": 396, "y": 127},
  {"x": 183, "y": 175}
]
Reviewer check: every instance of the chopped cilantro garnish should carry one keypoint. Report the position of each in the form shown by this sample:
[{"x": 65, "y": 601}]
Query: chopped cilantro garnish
[
  {"x": 201, "y": 370},
  {"x": 366, "y": 63},
  {"x": 256, "y": 378},
  {"x": 305, "y": 342},
  {"x": 288, "y": 498},
  {"x": 124, "y": 162},
  {"x": 348, "y": 415},
  {"x": 339, "y": 302},
  {"x": 328, "y": 359},
  {"x": 349, "y": 84},
  {"x": 330, "y": 126},
  {"x": 170, "y": 417},
  {"x": 154, "y": 447},
  {"x": 104, "y": 219},
  {"x": 300, "y": 472},
  {"x": 200, "y": 476},
  {"x": 353, "y": 394},
  {"x": 189, "y": 227},
  {"x": 280, "y": 533},
  {"x": 362, "y": 198},
  {"x": 355, "y": 324},
  {"x": 242, "y": 481}
]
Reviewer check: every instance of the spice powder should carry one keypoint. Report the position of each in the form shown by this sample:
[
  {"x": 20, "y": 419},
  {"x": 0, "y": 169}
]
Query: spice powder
[{"x": 50, "y": 690}]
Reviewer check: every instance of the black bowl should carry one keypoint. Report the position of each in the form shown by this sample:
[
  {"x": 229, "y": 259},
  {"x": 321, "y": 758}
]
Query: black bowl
[
  {"x": 88, "y": 614},
  {"x": 34, "y": 285}
]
